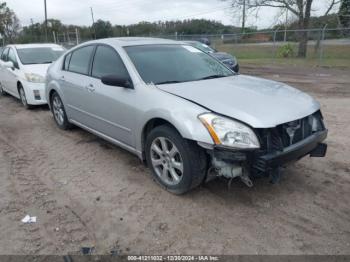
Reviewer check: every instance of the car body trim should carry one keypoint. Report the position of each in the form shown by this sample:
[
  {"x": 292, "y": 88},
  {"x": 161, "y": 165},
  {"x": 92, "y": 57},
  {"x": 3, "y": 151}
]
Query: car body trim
[
  {"x": 100, "y": 118},
  {"x": 108, "y": 138}
]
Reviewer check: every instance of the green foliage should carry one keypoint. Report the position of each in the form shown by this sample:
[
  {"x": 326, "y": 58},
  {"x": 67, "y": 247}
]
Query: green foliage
[
  {"x": 185, "y": 27},
  {"x": 103, "y": 29},
  {"x": 9, "y": 23},
  {"x": 344, "y": 13},
  {"x": 285, "y": 51},
  {"x": 35, "y": 32}
]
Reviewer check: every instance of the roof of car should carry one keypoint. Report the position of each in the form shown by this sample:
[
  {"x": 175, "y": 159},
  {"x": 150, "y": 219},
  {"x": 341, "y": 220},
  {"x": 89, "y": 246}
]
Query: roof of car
[
  {"x": 134, "y": 41},
  {"x": 20, "y": 46}
]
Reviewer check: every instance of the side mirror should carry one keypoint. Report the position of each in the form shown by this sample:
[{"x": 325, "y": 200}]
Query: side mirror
[
  {"x": 112, "y": 80},
  {"x": 8, "y": 64}
]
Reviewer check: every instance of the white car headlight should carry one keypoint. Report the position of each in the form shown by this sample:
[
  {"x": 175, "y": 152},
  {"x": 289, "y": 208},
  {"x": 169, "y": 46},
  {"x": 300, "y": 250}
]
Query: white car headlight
[
  {"x": 35, "y": 78},
  {"x": 228, "y": 132}
]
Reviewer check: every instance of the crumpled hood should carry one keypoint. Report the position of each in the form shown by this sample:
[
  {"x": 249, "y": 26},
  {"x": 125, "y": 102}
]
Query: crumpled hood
[
  {"x": 258, "y": 102},
  {"x": 39, "y": 69}
]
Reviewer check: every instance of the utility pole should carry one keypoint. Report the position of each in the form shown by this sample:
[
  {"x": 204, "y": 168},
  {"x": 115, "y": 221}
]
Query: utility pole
[
  {"x": 46, "y": 38},
  {"x": 93, "y": 22},
  {"x": 243, "y": 16},
  {"x": 32, "y": 28}
]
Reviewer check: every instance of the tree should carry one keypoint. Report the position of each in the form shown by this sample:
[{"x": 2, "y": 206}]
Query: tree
[
  {"x": 300, "y": 8},
  {"x": 9, "y": 23},
  {"x": 344, "y": 13},
  {"x": 103, "y": 29}
]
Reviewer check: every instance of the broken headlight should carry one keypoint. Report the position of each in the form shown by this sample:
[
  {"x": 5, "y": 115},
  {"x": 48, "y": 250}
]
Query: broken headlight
[{"x": 228, "y": 132}]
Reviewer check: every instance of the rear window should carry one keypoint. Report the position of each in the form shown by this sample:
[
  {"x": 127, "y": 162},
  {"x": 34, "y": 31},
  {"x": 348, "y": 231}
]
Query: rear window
[
  {"x": 80, "y": 60},
  {"x": 66, "y": 61},
  {"x": 39, "y": 55}
]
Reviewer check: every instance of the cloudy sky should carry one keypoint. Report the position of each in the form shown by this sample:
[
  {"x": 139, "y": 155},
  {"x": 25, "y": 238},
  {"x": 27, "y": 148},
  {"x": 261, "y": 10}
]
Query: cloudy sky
[{"x": 133, "y": 11}]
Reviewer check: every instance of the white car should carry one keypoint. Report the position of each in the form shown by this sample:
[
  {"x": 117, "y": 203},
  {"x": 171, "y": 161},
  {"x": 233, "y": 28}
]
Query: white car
[{"x": 23, "y": 71}]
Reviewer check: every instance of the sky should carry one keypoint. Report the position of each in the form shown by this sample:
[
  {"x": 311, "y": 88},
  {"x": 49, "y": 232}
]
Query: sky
[{"x": 124, "y": 12}]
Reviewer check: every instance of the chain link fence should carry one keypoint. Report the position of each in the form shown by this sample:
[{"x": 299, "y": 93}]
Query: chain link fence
[{"x": 325, "y": 45}]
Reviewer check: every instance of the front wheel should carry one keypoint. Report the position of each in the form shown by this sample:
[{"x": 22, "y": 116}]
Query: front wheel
[
  {"x": 59, "y": 113},
  {"x": 2, "y": 92},
  {"x": 23, "y": 98},
  {"x": 179, "y": 165}
]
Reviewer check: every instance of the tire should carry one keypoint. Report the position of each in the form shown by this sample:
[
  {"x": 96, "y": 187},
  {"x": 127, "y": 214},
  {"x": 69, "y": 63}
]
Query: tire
[
  {"x": 59, "y": 112},
  {"x": 23, "y": 98},
  {"x": 163, "y": 165},
  {"x": 2, "y": 92}
]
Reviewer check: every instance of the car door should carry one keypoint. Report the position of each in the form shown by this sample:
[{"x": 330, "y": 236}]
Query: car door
[
  {"x": 112, "y": 107},
  {"x": 74, "y": 82},
  {"x": 13, "y": 73}
]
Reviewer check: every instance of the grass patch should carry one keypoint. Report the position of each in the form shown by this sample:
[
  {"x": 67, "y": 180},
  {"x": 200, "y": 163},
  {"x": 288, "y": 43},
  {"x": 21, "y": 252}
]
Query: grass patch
[
  {"x": 333, "y": 55},
  {"x": 332, "y": 63}
]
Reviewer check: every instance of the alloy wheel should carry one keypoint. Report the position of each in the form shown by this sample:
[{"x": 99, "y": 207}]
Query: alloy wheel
[
  {"x": 1, "y": 90},
  {"x": 23, "y": 97},
  {"x": 58, "y": 111},
  {"x": 167, "y": 161}
]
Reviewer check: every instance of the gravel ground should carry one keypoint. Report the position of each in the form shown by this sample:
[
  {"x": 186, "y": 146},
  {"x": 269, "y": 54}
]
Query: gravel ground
[{"x": 87, "y": 192}]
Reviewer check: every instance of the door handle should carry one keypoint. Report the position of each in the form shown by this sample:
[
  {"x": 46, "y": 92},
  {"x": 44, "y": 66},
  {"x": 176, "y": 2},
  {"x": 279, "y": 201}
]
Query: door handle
[{"x": 90, "y": 88}]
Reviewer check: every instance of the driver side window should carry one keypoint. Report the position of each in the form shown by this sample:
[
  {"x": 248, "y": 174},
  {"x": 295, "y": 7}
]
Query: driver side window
[{"x": 108, "y": 62}]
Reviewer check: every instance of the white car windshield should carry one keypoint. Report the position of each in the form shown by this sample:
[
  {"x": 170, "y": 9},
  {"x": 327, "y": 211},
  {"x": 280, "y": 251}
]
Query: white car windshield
[
  {"x": 165, "y": 64},
  {"x": 39, "y": 55}
]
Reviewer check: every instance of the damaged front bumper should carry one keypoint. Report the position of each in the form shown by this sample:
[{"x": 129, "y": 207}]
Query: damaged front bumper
[
  {"x": 248, "y": 164},
  {"x": 311, "y": 145}
]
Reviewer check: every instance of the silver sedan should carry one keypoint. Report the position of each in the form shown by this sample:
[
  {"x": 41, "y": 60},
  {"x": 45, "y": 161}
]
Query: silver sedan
[{"x": 183, "y": 112}]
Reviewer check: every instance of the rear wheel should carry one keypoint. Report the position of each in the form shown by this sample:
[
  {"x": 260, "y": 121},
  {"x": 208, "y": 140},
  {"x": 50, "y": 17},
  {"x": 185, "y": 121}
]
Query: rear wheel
[
  {"x": 23, "y": 98},
  {"x": 59, "y": 113},
  {"x": 176, "y": 163}
]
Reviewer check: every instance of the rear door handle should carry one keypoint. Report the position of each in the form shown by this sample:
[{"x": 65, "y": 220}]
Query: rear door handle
[{"x": 90, "y": 88}]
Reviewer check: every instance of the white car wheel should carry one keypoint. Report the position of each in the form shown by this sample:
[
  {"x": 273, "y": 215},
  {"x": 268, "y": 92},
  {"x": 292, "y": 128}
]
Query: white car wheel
[{"x": 2, "y": 92}]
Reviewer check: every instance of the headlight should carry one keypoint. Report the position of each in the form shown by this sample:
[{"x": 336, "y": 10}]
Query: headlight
[
  {"x": 228, "y": 132},
  {"x": 34, "y": 78}
]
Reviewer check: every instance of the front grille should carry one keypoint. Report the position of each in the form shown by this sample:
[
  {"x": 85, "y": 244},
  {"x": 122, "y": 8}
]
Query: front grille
[{"x": 287, "y": 134}]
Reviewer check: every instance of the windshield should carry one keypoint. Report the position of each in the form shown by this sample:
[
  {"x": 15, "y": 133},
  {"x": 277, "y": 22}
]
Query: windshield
[
  {"x": 163, "y": 64},
  {"x": 39, "y": 55}
]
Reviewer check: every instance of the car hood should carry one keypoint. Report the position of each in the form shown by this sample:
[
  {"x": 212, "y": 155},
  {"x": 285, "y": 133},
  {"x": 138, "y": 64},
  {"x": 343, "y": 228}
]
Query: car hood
[
  {"x": 39, "y": 69},
  {"x": 258, "y": 102}
]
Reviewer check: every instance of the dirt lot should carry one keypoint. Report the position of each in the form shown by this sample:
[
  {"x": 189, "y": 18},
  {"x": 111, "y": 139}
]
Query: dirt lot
[{"x": 86, "y": 192}]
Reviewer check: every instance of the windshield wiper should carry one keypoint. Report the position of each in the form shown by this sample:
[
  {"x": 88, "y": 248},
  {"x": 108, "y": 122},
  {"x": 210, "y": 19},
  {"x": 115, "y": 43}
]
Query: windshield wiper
[
  {"x": 212, "y": 77},
  {"x": 168, "y": 82}
]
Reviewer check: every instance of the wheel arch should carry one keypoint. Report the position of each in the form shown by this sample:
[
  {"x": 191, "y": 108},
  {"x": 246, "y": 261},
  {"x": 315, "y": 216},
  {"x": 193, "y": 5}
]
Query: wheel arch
[
  {"x": 51, "y": 92},
  {"x": 19, "y": 84},
  {"x": 149, "y": 126}
]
